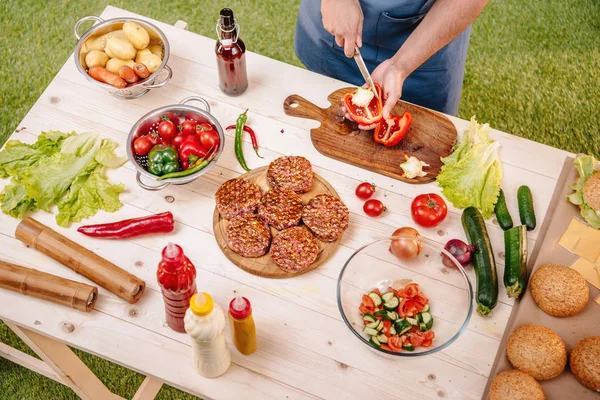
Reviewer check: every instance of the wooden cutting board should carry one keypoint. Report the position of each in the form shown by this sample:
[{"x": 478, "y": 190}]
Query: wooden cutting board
[
  {"x": 264, "y": 266},
  {"x": 430, "y": 136}
]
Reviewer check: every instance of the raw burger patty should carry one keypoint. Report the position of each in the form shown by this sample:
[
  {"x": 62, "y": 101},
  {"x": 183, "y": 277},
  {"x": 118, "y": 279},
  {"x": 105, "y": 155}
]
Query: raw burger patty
[
  {"x": 294, "y": 249},
  {"x": 290, "y": 172},
  {"x": 248, "y": 235},
  {"x": 237, "y": 196},
  {"x": 326, "y": 216},
  {"x": 281, "y": 208}
]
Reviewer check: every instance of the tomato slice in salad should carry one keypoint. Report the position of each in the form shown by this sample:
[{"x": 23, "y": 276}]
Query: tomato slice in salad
[
  {"x": 420, "y": 301},
  {"x": 365, "y": 310},
  {"x": 387, "y": 324},
  {"x": 426, "y": 343},
  {"x": 386, "y": 347},
  {"x": 395, "y": 343},
  {"x": 416, "y": 340},
  {"x": 411, "y": 290},
  {"x": 368, "y": 302},
  {"x": 429, "y": 335}
]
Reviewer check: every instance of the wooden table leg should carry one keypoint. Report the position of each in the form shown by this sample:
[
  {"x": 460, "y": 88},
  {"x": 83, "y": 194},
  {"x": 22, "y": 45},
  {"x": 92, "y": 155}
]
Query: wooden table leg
[{"x": 148, "y": 389}]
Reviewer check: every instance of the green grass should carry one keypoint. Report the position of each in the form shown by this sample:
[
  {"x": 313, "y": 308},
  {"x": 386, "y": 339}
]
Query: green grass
[{"x": 532, "y": 70}]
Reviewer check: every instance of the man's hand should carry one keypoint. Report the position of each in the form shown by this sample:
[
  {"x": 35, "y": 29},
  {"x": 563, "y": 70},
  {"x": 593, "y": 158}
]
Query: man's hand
[
  {"x": 391, "y": 78},
  {"x": 344, "y": 20}
]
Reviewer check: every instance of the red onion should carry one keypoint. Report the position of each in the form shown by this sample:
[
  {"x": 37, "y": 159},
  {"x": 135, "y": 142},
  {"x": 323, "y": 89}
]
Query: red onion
[{"x": 460, "y": 250}]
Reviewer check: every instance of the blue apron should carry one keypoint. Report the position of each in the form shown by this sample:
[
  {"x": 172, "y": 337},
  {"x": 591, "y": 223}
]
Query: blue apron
[{"x": 437, "y": 84}]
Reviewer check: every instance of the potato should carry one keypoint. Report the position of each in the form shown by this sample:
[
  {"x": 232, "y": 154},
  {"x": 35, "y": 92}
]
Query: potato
[
  {"x": 156, "y": 50},
  {"x": 99, "y": 42},
  {"x": 152, "y": 62},
  {"x": 142, "y": 54},
  {"x": 120, "y": 48},
  {"x": 114, "y": 64},
  {"x": 96, "y": 57},
  {"x": 136, "y": 35}
]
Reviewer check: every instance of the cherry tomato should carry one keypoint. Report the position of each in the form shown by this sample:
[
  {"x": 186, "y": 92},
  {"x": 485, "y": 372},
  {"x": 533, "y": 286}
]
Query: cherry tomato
[
  {"x": 153, "y": 138},
  {"x": 204, "y": 127},
  {"x": 428, "y": 210},
  {"x": 209, "y": 138},
  {"x": 403, "y": 248},
  {"x": 167, "y": 129},
  {"x": 188, "y": 127},
  {"x": 365, "y": 190},
  {"x": 142, "y": 145},
  {"x": 177, "y": 140},
  {"x": 373, "y": 208}
]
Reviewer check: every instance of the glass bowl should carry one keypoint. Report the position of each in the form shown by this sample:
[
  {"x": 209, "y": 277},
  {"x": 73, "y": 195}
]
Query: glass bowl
[{"x": 448, "y": 289}]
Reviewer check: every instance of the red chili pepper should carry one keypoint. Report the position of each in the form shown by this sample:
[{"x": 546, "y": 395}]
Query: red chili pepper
[
  {"x": 252, "y": 134},
  {"x": 190, "y": 151},
  {"x": 158, "y": 223},
  {"x": 391, "y": 131},
  {"x": 365, "y": 115}
]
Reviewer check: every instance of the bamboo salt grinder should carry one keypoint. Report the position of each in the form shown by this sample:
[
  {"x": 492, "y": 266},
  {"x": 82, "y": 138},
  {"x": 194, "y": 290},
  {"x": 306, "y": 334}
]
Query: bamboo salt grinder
[
  {"x": 81, "y": 260},
  {"x": 42, "y": 285}
]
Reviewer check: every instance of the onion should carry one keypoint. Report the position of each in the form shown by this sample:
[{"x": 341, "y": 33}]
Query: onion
[
  {"x": 406, "y": 249},
  {"x": 460, "y": 250}
]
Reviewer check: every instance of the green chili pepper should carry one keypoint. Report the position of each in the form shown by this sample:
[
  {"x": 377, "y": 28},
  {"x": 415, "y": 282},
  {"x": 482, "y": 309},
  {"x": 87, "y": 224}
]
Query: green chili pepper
[
  {"x": 198, "y": 165},
  {"x": 163, "y": 160},
  {"x": 239, "y": 131}
]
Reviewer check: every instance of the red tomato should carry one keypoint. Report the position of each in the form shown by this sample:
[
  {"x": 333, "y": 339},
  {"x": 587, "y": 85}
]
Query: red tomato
[
  {"x": 167, "y": 129},
  {"x": 429, "y": 335},
  {"x": 387, "y": 324},
  {"x": 386, "y": 347},
  {"x": 209, "y": 138},
  {"x": 373, "y": 208},
  {"x": 368, "y": 302},
  {"x": 153, "y": 138},
  {"x": 365, "y": 310},
  {"x": 409, "y": 308},
  {"x": 428, "y": 210},
  {"x": 188, "y": 127},
  {"x": 395, "y": 343},
  {"x": 426, "y": 343},
  {"x": 142, "y": 145},
  {"x": 177, "y": 140},
  {"x": 416, "y": 340},
  {"x": 365, "y": 190},
  {"x": 411, "y": 290},
  {"x": 420, "y": 302},
  {"x": 205, "y": 127}
]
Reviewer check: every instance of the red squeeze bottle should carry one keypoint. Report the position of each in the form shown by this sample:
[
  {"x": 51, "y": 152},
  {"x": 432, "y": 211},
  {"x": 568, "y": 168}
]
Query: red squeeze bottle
[
  {"x": 177, "y": 279},
  {"x": 231, "y": 55}
]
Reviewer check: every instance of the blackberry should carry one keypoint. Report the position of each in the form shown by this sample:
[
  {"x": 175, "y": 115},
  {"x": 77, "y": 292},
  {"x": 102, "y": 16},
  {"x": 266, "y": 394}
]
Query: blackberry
[{"x": 141, "y": 160}]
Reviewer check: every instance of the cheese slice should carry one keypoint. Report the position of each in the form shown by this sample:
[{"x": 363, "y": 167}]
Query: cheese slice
[
  {"x": 588, "y": 271},
  {"x": 582, "y": 240}
]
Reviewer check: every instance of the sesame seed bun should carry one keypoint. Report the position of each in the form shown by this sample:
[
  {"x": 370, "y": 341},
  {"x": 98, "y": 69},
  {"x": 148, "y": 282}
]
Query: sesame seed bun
[
  {"x": 536, "y": 350},
  {"x": 515, "y": 385},
  {"x": 585, "y": 362},
  {"x": 591, "y": 191},
  {"x": 559, "y": 291}
]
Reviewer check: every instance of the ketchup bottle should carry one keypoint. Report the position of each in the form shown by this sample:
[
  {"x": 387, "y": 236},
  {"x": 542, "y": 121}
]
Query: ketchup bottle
[
  {"x": 231, "y": 55},
  {"x": 177, "y": 279}
]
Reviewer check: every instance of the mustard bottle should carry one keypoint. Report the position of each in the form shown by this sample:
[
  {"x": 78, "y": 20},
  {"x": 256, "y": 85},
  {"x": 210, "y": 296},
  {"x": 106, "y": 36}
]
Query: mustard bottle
[{"x": 243, "y": 330}]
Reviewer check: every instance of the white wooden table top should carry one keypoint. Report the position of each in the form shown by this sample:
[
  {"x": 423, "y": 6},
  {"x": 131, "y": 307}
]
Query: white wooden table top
[{"x": 304, "y": 348}]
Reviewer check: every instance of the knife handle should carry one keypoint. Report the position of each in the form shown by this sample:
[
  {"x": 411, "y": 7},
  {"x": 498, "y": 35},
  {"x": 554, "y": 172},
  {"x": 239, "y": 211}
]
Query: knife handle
[{"x": 298, "y": 106}]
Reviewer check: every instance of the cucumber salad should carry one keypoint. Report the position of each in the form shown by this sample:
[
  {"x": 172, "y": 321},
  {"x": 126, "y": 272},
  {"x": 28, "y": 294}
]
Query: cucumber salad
[{"x": 397, "y": 320}]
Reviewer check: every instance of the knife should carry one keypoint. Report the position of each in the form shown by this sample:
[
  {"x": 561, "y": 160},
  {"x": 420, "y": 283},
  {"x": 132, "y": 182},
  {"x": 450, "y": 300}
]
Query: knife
[{"x": 364, "y": 71}]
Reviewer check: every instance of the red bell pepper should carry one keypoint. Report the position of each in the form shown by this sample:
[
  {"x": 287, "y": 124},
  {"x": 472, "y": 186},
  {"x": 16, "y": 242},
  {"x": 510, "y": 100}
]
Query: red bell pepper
[
  {"x": 190, "y": 151},
  {"x": 391, "y": 131},
  {"x": 364, "y": 114}
]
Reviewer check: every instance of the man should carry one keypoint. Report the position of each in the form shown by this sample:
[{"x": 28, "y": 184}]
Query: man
[{"x": 415, "y": 48}]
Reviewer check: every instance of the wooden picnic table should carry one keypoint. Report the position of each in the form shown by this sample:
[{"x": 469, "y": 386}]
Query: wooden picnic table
[{"x": 304, "y": 348}]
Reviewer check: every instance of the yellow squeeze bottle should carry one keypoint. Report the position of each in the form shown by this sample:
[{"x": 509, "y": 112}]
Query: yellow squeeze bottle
[{"x": 243, "y": 330}]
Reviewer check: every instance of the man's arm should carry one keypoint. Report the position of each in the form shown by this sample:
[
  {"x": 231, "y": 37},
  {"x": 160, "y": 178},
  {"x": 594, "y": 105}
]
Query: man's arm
[{"x": 445, "y": 20}]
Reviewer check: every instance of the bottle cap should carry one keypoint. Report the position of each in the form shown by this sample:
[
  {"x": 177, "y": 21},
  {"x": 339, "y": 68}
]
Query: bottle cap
[
  {"x": 171, "y": 250},
  {"x": 201, "y": 304},
  {"x": 226, "y": 17},
  {"x": 240, "y": 307}
]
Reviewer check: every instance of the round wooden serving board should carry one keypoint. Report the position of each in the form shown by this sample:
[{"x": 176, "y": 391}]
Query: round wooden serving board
[
  {"x": 430, "y": 136},
  {"x": 264, "y": 266}
]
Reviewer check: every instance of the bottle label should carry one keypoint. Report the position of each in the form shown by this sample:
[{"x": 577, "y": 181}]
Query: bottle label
[{"x": 227, "y": 43}]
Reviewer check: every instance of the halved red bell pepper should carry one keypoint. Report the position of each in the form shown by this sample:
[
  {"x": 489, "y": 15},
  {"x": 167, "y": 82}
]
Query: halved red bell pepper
[
  {"x": 364, "y": 114},
  {"x": 191, "y": 150},
  {"x": 391, "y": 131}
]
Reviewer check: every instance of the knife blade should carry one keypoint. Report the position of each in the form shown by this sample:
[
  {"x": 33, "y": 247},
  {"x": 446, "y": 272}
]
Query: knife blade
[{"x": 364, "y": 71}]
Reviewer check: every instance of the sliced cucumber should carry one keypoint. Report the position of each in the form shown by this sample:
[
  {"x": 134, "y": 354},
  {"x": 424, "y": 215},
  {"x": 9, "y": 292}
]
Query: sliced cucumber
[
  {"x": 368, "y": 318},
  {"x": 387, "y": 296},
  {"x": 422, "y": 327},
  {"x": 392, "y": 315},
  {"x": 371, "y": 331},
  {"x": 426, "y": 308},
  {"x": 391, "y": 304},
  {"x": 376, "y": 298},
  {"x": 393, "y": 330},
  {"x": 402, "y": 326},
  {"x": 408, "y": 347},
  {"x": 413, "y": 321},
  {"x": 427, "y": 320},
  {"x": 380, "y": 326},
  {"x": 374, "y": 341},
  {"x": 382, "y": 339},
  {"x": 381, "y": 313},
  {"x": 419, "y": 318},
  {"x": 373, "y": 325}
]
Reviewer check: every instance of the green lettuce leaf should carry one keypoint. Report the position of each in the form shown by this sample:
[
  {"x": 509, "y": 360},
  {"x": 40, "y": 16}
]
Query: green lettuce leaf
[
  {"x": 585, "y": 167},
  {"x": 472, "y": 174}
]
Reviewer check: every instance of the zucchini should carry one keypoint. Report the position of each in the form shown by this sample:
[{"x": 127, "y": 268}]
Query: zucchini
[
  {"x": 427, "y": 320},
  {"x": 515, "y": 268},
  {"x": 402, "y": 326},
  {"x": 483, "y": 260},
  {"x": 408, "y": 347},
  {"x": 526, "y": 211},
  {"x": 370, "y": 331},
  {"x": 387, "y": 296},
  {"x": 382, "y": 339},
  {"x": 391, "y": 304},
  {"x": 374, "y": 341},
  {"x": 376, "y": 298},
  {"x": 502, "y": 214},
  {"x": 368, "y": 318}
]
